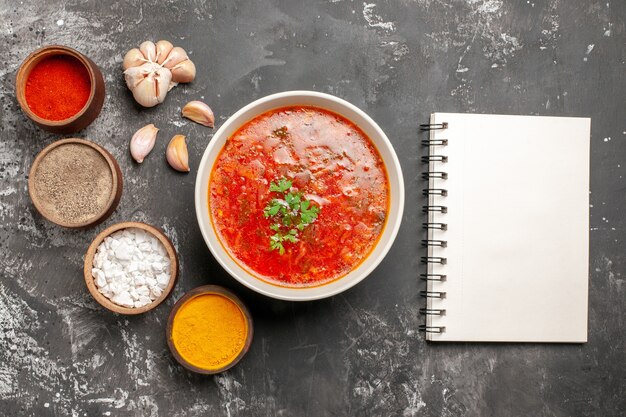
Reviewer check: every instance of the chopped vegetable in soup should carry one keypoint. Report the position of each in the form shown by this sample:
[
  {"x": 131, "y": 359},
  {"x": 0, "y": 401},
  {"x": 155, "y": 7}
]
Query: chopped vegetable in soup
[{"x": 299, "y": 196}]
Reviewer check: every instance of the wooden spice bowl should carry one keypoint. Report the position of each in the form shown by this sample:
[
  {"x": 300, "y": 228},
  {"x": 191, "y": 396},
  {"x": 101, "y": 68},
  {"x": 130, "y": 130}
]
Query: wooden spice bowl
[
  {"x": 86, "y": 115},
  {"x": 91, "y": 252},
  {"x": 202, "y": 290},
  {"x": 107, "y": 209}
]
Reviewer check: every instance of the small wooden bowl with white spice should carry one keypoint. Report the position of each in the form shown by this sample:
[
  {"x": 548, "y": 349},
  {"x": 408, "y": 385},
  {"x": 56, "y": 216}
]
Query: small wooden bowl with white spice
[{"x": 89, "y": 266}]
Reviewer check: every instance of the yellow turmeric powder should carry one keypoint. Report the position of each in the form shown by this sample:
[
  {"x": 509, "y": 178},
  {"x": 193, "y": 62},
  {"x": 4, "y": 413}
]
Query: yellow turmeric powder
[{"x": 209, "y": 331}]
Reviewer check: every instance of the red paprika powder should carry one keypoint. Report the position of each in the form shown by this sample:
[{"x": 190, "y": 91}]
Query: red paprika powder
[{"x": 58, "y": 87}]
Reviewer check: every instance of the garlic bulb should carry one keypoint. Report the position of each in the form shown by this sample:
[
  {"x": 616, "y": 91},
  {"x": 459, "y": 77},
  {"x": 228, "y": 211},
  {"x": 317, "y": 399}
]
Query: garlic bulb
[
  {"x": 153, "y": 69},
  {"x": 142, "y": 142},
  {"x": 177, "y": 155}
]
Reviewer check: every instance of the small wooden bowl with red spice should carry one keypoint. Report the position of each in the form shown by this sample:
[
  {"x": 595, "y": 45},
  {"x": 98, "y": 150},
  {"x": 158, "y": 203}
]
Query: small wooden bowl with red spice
[{"x": 60, "y": 89}]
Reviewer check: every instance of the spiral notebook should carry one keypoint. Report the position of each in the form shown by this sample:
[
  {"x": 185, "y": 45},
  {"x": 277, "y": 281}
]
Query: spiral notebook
[{"x": 508, "y": 228}]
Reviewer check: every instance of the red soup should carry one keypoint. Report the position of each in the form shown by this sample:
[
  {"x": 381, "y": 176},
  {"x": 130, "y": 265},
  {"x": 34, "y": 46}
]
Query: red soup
[{"x": 299, "y": 196}]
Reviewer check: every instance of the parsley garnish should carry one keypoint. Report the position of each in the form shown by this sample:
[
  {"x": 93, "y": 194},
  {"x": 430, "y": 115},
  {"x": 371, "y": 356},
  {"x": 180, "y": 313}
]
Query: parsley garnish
[{"x": 291, "y": 213}]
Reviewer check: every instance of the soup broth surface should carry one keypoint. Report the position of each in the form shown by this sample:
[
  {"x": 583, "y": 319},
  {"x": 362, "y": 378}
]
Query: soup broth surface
[{"x": 330, "y": 163}]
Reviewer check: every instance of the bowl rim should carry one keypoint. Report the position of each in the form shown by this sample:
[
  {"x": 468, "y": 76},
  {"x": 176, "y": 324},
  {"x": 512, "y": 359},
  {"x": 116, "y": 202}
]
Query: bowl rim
[
  {"x": 114, "y": 197},
  {"x": 299, "y": 294},
  {"x": 88, "y": 265},
  {"x": 202, "y": 290},
  {"x": 31, "y": 61}
]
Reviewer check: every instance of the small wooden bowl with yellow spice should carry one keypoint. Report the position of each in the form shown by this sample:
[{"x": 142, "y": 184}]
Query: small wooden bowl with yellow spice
[{"x": 209, "y": 330}]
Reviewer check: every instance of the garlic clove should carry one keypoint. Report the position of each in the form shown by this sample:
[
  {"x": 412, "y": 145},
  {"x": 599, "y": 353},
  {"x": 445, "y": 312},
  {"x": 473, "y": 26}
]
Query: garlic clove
[
  {"x": 133, "y": 58},
  {"x": 144, "y": 93},
  {"x": 199, "y": 112},
  {"x": 163, "y": 78},
  {"x": 163, "y": 49},
  {"x": 142, "y": 142},
  {"x": 177, "y": 155},
  {"x": 148, "y": 49},
  {"x": 176, "y": 56},
  {"x": 184, "y": 72},
  {"x": 134, "y": 75},
  {"x": 152, "y": 89}
]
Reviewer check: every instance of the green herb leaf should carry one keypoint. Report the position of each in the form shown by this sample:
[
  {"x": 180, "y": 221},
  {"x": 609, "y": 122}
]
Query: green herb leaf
[
  {"x": 272, "y": 208},
  {"x": 291, "y": 213},
  {"x": 308, "y": 214},
  {"x": 293, "y": 200},
  {"x": 282, "y": 186}
]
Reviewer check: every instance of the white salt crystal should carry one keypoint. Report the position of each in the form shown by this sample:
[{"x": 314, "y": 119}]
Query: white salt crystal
[
  {"x": 115, "y": 287},
  {"x": 155, "y": 292},
  {"x": 145, "y": 300},
  {"x": 163, "y": 280},
  {"x": 132, "y": 266},
  {"x": 143, "y": 290},
  {"x": 123, "y": 299},
  {"x": 99, "y": 277},
  {"x": 140, "y": 237}
]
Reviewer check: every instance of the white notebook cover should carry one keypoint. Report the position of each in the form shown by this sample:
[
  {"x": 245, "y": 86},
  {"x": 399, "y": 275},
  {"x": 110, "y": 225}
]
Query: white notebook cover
[{"x": 517, "y": 228}]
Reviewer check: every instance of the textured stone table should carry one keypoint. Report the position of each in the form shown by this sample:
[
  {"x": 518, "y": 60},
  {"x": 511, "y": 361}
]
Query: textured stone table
[{"x": 358, "y": 353}]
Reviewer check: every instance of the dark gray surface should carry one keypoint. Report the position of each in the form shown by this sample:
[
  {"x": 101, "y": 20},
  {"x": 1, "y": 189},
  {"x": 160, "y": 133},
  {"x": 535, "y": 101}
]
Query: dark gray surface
[{"x": 358, "y": 353}]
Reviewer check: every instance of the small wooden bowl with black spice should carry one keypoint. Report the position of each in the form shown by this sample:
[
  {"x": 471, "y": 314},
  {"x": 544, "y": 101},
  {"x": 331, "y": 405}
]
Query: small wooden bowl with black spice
[
  {"x": 91, "y": 252},
  {"x": 75, "y": 183},
  {"x": 74, "y": 95},
  {"x": 209, "y": 330}
]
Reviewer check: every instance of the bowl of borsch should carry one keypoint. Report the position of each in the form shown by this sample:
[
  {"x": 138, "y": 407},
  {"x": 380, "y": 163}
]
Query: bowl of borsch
[{"x": 299, "y": 195}]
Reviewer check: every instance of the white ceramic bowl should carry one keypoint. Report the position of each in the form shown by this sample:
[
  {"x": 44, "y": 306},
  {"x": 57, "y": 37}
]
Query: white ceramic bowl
[{"x": 371, "y": 129}]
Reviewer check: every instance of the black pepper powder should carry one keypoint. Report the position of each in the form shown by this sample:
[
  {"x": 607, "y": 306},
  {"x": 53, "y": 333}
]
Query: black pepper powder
[{"x": 73, "y": 183}]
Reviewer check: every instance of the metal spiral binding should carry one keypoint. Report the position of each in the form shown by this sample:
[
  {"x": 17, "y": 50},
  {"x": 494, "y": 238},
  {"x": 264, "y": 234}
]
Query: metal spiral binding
[
  {"x": 440, "y": 209},
  {"x": 435, "y": 142},
  {"x": 433, "y": 277},
  {"x": 435, "y": 126},
  {"x": 434, "y": 158},
  {"x": 433, "y": 311},
  {"x": 440, "y": 226},
  {"x": 431, "y": 329},
  {"x": 435, "y": 191},
  {"x": 431, "y": 225},
  {"x": 433, "y": 294},
  {"x": 434, "y": 260},
  {"x": 435, "y": 174},
  {"x": 433, "y": 242}
]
